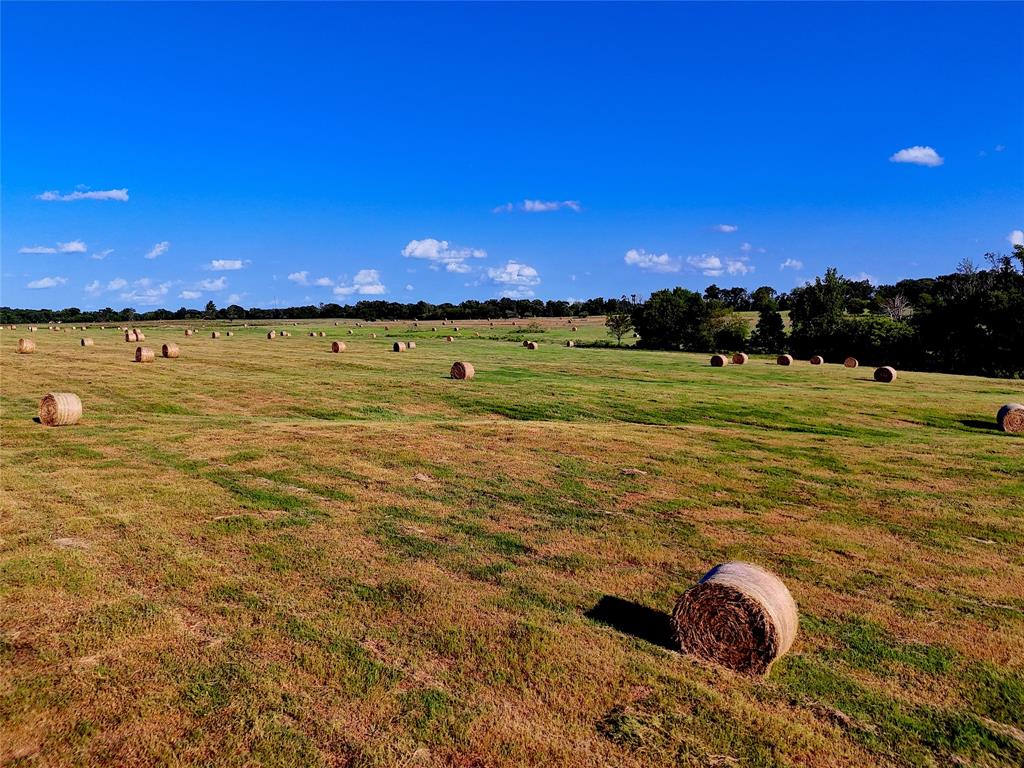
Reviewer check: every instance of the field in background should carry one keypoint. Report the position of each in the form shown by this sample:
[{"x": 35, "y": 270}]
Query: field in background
[{"x": 262, "y": 553}]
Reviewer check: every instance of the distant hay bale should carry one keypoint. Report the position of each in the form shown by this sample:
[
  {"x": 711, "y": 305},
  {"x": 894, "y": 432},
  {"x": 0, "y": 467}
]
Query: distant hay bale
[
  {"x": 139, "y": 336},
  {"x": 461, "y": 370},
  {"x": 271, "y": 334},
  {"x": 410, "y": 345},
  {"x": 740, "y": 358},
  {"x": 526, "y": 342},
  {"x": 886, "y": 374},
  {"x": 86, "y": 342},
  {"x": 1011, "y": 418},
  {"x": 399, "y": 346},
  {"x": 312, "y": 333},
  {"x": 851, "y": 362},
  {"x": 285, "y": 333},
  {"x": 784, "y": 360},
  {"x": 230, "y": 333},
  {"x": 214, "y": 334},
  {"x": 532, "y": 345},
  {"x": 434, "y": 328},
  {"x": 817, "y": 360},
  {"x": 350, "y": 331},
  {"x": 455, "y": 328},
  {"x": 170, "y": 350},
  {"x": 738, "y": 615},
  {"x": 144, "y": 355},
  {"x": 60, "y": 409},
  {"x": 570, "y": 343},
  {"x": 574, "y": 329},
  {"x": 129, "y": 336},
  {"x": 188, "y": 331},
  {"x": 449, "y": 339},
  {"x": 338, "y": 346},
  {"x": 26, "y": 346},
  {"x": 322, "y": 333},
  {"x": 719, "y": 361}
]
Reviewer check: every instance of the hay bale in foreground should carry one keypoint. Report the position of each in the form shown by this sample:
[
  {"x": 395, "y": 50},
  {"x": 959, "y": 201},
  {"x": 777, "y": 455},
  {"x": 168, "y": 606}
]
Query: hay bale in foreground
[
  {"x": 130, "y": 336},
  {"x": 144, "y": 355},
  {"x": 719, "y": 361},
  {"x": 526, "y": 342},
  {"x": 449, "y": 339},
  {"x": 532, "y": 345},
  {"x": 338, "y": 346},
  {"x": 817, "y": 360},
  {"x": 461, "y": 370},
  {"x": 26, "y": 346},
  {"x": 312, "y": 333},
  {"x": 570, "y": 343},
  {"x": 399, "y": 346},
  {"x": 271, "y": 334},
  {"x": 60, "y": 409},
  {"x": 784, "y": 360},
  {"x": 851, "y": 362},
  {"x": 738, "y": 615},
  {"x": 886, "y": 374},
  {"x": 170, "y": 350},
  {"x": 214, "y": 334},
  {"x": 1011, "y": 418},
  {"x": 86, "y": 342},
  {"x": 188, "y": 331},
  {"x": 322, "y": 334},
  {"x": 230, "y": 333},
  {"x": 740, "y": 358}
]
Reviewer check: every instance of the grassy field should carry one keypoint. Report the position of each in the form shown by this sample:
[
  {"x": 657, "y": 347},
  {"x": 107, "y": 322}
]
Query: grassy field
[{"x": 262, "y": 553}]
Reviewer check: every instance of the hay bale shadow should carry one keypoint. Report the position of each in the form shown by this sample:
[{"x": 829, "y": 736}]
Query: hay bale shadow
[
  {"x": 634, "y": 619},
  {"x": 990, "y": 426}
]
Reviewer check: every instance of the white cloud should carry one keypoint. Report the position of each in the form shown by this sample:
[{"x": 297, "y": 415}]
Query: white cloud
[
  {"x": 506, "y": 208},
  {"x": 234, "y": 298},
  {"x": 746, "y": 247},
  {"x": 143, "y": 293},
  {"x": 540, "y": 206},
  {"x": 1016, "y": 237},
  {"x": 37, "y": 249},
  {"x": 213, "y": 285},
  {"x": 302, "y": 278},
  {"x": 75, "y": 246},
  {"x": 408, "y": 286},
  {"x": 439, "y": 252},
  {"x": 1000, "y": 147},
  {"x": 862, "y": 276},
  {"x": 158, "y": 250},
  {"x": 740, "y": 266},
  {"x": 94, "y": 288},
  {"x": 190, "y": 294},
  {"x": 709, "y": 265},
  {"x": 117, "y": 284},
  {"x": 47, "y": 282},
  {"x": 918, "y": 156},
  {"x": 366, "y": 283},
  {"x": 517, "y": 279},
  {"x": 221, "y": 265},
  {"x": 725, "y": 228},
  {"x": 638, "y": 257},
  {"x": 791, "y": 264},
  {"x": 100, "y": 255},
  {"x": 105, "y": 194}
]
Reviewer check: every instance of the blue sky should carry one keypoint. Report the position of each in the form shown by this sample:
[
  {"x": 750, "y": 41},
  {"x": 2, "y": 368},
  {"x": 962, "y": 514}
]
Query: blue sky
[{"x": 279, "y": 154}]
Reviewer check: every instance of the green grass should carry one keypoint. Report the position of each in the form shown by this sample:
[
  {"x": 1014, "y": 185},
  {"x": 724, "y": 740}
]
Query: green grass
[{"x": 262, "y": 553}]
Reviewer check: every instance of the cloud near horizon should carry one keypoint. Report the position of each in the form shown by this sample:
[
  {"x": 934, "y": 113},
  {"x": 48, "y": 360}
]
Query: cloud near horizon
[
  {"x": 650, "y": 262},
  {"x": 365, "y": 283},
  {"x": 440, "y": 253},
  {"x": 1016, "y": 237},
  {"x": 711, "y": 265},
  {"x": 516, "y": 279},
  {"x": 791, "y": 264},
  {"x": 86, "y": 194},
  {"x": 302, "y": 278},
  {"x": 918, "y": 155},
  {"x": 47, "y": 282}
]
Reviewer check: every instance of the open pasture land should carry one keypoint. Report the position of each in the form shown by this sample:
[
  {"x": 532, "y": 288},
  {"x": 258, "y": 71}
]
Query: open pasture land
[{"x": 263, "y": 553}]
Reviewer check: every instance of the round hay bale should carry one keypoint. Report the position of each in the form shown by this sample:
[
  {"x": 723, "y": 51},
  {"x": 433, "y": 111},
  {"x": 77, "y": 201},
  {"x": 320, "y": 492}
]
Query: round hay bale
[
  {"x": 230, "y": 333},
  {"x": 738, "y": 615},
  {"x": 719, "y": 361},
  {"x": 312, "y": 333},
  {"x": 784, "y": 360},
  {"x": 373, "y": 335},
  {"x": 455, "y": 328},
  {"x": 322, "y": 334},
  {"x": 130, "y": 336},
  {"x": 271, "y": 334},
  {"x": 886, "y": 374},
  {"x": 338, "y": 346},
  {"x": 461, "y": 370},
  {"x": 399, "y": 346},
  {"x": 740, "y": 358},
  {"x": 817, "y": 360},
  {"x": 144, "y": 355},
  {"x": 26, "y": 346},
  {"x": 570, "y": 343},
  {"x": 214, "y": 334},
  {"x": 574, "y": 329},
  {"x": 449, "y": 339},
  {"x": 86, "y": 342},
  {"x": 532, "y": 345},
  {"x": 1011, "y": 418},
  {"x": 60, "y": 409},
  {"x": 434, "y": 328},
  {"x": 140, "y": 336},
  {"x": 188, "y": 331},
  {"x": 526, "y": 342},
  {"x": 851, "y": 362},
  {"x": 170, "y": 350},
  {"x": 350, "y": 331},
  {"x": 410, "y": 345}
]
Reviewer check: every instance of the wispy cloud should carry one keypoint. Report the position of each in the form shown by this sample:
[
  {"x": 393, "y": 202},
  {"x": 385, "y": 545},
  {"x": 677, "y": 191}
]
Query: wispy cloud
[
  {"x": 190, "y": 294},
  {"x": 158, "y": 250},
  {"x": 100, "y": 255},
  {"x": 47, "y": 282},
  {"x": 143, "y": 292},
  {"x": 365, "y": 283},
  {"x": 725, "y": 228},
  {"x": 711, "y": 265},
  {"x": 214, "y": 285},
  {"x": 86, "y": 194},
  {"x": 37, "y": 249},
  {"x": 302, "y": 278},
  {"x": 94, "y": 288},
  {"x": 651, "y": 262},
  {"x": 1016, "y": 237},
  {"x": 791, "y": 264},
  {"x": 539, "y": 206},
  {"x": 516, "y": 279},
  {"x": 117, "y": 284},
  {"x": 72, "y": 246},
  {"x": 223, "y": 265},
  {"x": 439, "y": 253},
  {"x": 918, "y": 155}
]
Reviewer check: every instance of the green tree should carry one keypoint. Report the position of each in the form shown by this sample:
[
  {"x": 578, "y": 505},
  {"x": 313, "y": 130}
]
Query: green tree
[
  {"x": 770, "y": 334},
  {"x": 210, "y": 311},
  {"x": 618, "y": 325},
  {"x": 674, "y": 319}
]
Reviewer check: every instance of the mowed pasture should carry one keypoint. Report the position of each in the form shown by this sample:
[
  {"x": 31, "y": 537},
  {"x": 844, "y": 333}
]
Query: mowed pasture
[{"x": 266, "y": 553}]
